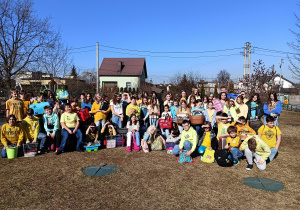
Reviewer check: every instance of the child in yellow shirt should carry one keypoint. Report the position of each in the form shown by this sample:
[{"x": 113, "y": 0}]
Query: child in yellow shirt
[
  {"x": 271, "y": 134},
  {"x": 207, "y": 140},
  {"x": 11, "y": 133},
  {"x": 234, "y": 142}
]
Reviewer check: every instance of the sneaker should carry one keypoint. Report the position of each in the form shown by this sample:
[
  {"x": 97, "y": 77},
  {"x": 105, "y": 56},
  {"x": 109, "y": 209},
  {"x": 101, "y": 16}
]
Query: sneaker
[
  {"x": 236, "y": 162},
  {"x": 57, "y": 148},
  {"x": 79, "y": 150},
  {"x": 249, "y": 167},
  {"x": 58, "y": 152},
  {"x": 128, "y": 149},
  {"x": 201, "y": 157},
  {"x": 137, "y": 149}
]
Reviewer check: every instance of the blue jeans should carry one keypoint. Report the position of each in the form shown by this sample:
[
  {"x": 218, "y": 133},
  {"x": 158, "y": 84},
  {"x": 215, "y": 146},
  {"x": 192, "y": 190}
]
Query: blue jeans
[
  {"x": 42, "y": 137},
  {"x": 165, "y": 132},
  {"x": 273, "y": 154},
  {"x": 154, "y": 122},
  {"x": 65, "y": 136},
  {"x": 180, "y": 128},
  {"x": 116, "y": 121},
  {"x": 98, "y": 123},
  {"x": 275, "y": 122},
  {"x": 20, "y": 152},
  {"x": 186, "y": 146},
  {"x": 197, "y": 129},
  {"x": 236, "y": 153},
  {"x": 202, "y": 149}
]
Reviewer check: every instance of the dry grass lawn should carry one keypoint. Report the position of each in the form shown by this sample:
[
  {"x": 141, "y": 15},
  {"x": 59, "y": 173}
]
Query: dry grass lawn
[{"x": 149, "y": 181}]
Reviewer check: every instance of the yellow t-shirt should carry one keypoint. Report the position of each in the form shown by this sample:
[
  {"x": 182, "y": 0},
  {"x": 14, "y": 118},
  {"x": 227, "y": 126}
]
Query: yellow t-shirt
[
  {"x": 16, "y": 107},
  {"x": 210, "y": 114},
  {"x": 69, "y": 119},
  {"x": 11, "y": 135},
  {"x": 26, "y": 106},
  {"x": 234, "y": 142},
  {"x": 222, "y": 128},
  {"x": 269, "y": 135},
  {"x": 207, "y": 140},
  {"x": 31, "y": 128}
]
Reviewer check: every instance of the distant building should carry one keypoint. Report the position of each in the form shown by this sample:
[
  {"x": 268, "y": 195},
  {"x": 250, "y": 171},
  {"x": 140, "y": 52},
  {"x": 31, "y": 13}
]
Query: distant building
[
  {"x": 209, "y": 87},
  {"x": 122, "y": 72}
]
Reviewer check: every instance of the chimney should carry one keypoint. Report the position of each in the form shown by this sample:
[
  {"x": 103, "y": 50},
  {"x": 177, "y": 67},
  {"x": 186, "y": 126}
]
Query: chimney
[{"x": 121, "y": 65}]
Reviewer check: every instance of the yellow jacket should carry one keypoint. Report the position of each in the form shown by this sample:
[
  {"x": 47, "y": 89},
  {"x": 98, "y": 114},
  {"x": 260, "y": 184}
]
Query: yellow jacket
[
  {"x": 12, "y": 135},
  {"x": 31, "y": 128},
  {"x": 129, "y": 110},
  {"x": 262, "y": 148},
  {"x": 98, "y": 115}
]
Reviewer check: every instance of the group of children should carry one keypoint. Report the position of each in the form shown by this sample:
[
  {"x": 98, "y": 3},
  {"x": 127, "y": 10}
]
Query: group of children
[{"x": 136, "y": 113}]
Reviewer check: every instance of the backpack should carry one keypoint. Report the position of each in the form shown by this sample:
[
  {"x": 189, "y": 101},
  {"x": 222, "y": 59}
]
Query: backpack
[{"x": 224, "y": 158}]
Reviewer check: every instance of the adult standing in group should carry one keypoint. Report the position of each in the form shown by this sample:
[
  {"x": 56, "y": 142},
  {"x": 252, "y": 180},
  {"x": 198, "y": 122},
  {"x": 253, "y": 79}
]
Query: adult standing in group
[
  {"x": 117, "y": 111},
  {"x": 255, "y": 108},
  {"x": 195, "y": 93},
  {"x": 183, "y": 110},
  {"x": 243, "y": 108},
  {"x": 245, "y": 99},
  {"x": 100, "y": 112},
  {"x": 255, "y": 111},
  {"x": 154, "y": 112},
  {"x": 85, "y": 103},
  {"x": 272, "y": 107},
  {"x": 183, "y": 95}
]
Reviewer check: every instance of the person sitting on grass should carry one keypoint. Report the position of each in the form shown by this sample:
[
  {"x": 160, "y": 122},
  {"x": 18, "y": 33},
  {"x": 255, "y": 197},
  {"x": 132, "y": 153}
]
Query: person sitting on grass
[
  {"x": 234, "y": 142},
  {"x": 242, "y": 127},
  {"x": 271, "y": 134},
  {"x": 31, "y": 129},
  {"x": 91, "y": 134},
  {"x": 11, "y": 133},
  {"x": 52, "y": 127},
  {"x": 174, "y": 137},
  {"x": 150, "y": 138},
  {"x": 255, "y": 148},
  {"x": 133, "y": 126},
  {"x": 208, "y": 139},
  {"x": 70, "y": 123},
  {"x": 188, "y": 141}
]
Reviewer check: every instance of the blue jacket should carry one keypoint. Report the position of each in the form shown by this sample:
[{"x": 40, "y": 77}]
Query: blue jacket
[
  {"x": 213, "y": 121},
  {"x": 277, "y": 109},
  {"x": 86, "y": 105}
]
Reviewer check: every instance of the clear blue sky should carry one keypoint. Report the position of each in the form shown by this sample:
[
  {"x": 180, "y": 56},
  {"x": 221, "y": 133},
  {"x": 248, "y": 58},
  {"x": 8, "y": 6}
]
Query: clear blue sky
[{"x": 172, "y": 26}]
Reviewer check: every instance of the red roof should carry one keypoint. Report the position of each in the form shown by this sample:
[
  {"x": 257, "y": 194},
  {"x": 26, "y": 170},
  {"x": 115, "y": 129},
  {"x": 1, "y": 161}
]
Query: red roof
[{"x": 123, "y": 67}]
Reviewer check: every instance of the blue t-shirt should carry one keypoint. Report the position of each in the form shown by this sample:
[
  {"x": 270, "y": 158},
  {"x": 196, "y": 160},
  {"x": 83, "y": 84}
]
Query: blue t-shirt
[
  {"x": 253, "y": 109},
  {"x": 173, "y": 112}
]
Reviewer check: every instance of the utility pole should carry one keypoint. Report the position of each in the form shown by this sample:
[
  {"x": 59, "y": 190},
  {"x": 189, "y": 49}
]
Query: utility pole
[
  {"x": 97, "y": 67},
  {"x": 280, "y": 65},
  {"x": 247, "y": 54}
]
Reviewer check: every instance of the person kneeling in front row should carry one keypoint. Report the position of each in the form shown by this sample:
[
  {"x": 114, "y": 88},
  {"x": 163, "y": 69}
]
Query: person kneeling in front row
[
  {"x": 189, "y": 139},
  {"x": 256, "y": 149}
]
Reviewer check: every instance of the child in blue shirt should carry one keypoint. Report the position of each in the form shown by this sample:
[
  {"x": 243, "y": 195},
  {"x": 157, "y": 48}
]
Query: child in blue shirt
[{"x": 174, "y": 108}]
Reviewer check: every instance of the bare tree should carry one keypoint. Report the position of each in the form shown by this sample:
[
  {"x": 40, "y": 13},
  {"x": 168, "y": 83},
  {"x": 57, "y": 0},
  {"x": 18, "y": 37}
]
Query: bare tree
[
  {"x": 23, "y": 37},
  {"x": 55, "y": 60},
  {"x": 294, "y": 59},
  {"x": 223, "y": 77}
]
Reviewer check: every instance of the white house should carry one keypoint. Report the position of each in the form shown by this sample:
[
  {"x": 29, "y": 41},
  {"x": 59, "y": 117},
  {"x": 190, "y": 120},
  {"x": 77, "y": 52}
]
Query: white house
[
  {"x": 285, "y": 83},
  {"x": 122, "y": 72}
]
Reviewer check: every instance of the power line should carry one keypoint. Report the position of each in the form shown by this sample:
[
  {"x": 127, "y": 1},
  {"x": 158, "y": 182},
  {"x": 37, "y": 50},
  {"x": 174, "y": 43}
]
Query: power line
[
  {"x": 274, "y": 51},
  {"x": 162, "y": 52},
  {"x": 164, "y": 56},
  {"x": 82, "y": 47}
]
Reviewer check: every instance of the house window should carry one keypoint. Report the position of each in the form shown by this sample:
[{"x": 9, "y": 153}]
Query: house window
[
  {"x": 128, "y": 84},
  {"x": 110, "y": 84}
]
